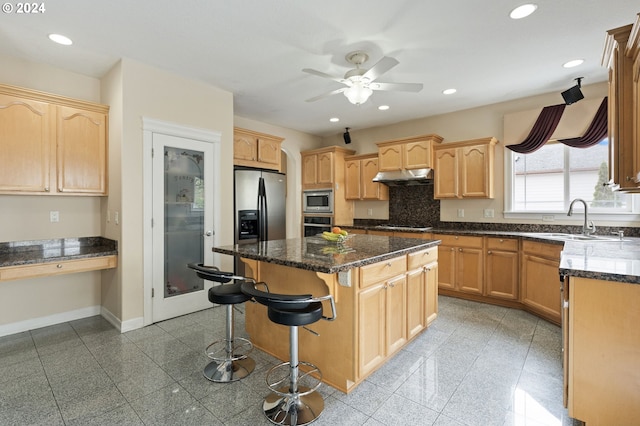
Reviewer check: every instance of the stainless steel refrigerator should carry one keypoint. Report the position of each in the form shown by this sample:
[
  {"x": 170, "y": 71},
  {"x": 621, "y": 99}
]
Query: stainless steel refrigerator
[{"x": 260, "y": 213}]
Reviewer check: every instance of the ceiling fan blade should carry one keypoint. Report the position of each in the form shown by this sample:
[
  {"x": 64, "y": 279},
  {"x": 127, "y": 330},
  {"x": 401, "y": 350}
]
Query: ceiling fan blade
[
  {"x": 323, "y": 75},
  {"x": 326, "y": 95},
  {"x": 382, "y": 66},
  {"x": 400, "y": 87}
]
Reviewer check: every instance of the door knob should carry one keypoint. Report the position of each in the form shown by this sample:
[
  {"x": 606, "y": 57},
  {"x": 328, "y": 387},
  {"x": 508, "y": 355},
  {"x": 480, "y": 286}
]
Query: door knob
[{"x": 208, "y": 233}]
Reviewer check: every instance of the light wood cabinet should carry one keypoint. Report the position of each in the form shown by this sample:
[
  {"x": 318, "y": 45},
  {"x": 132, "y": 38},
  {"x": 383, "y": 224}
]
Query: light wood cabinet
[
  {"x": 464, "y": 169},
  {"x": 501, "y": 268},
  {"x": 254, "y": 149},
  {"x": 359, "y": 173},
  {"x": 52, "y": 144},
  {"x": 422, "y": 290},
  {"x": 540, "y": 282},
  {"x": 46, "y": 269},
  {"x": 407, "y": 154},
  {"x": 603, "y": 351},
  {"x": 324, "y": 167},
  {"x": 461, "y": 263},
  {"x": 382, "y": 314}
]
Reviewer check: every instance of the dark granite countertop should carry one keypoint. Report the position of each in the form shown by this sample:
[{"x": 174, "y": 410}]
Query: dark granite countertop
[
  {"x": 316, "y": 254},
  {"x": 17, "y": 253},
  {"x": 617, "y": 261}
]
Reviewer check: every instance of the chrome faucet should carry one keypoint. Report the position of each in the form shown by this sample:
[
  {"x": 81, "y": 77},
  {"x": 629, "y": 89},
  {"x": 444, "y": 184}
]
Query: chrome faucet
[{"x": 589, "y": 227}]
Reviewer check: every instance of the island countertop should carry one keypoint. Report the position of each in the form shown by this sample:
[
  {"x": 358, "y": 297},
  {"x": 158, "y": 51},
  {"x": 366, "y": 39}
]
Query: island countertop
[{"x": 316, "y": 254}]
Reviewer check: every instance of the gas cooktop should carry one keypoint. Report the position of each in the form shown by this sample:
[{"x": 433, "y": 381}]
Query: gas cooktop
[{"x": 394, "y": 227}]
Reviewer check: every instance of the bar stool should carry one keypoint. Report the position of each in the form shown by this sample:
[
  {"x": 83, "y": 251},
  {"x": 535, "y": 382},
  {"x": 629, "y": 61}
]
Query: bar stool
[
  {"x": 290, "y": 403},
  {"x": 229, "y": 356}
]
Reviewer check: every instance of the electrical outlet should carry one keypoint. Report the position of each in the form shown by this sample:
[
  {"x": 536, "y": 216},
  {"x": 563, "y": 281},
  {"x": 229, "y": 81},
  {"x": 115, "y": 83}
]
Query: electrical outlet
[
  {"x": 488, "y": 212},
  {"x": 460, "y": 212},
  {"x": 549, "y": 218},
  {"x": 54, "y": 216},
  {"x": 370, "y": 212}
]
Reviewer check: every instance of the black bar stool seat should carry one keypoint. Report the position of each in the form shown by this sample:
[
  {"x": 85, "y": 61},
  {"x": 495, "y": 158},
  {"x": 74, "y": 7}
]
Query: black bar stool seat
[{"x": 230, "y": 359}]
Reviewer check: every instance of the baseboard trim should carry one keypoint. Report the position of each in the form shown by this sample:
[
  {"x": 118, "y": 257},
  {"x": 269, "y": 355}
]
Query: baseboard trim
[
  {"x": 34, "y": 323},
  {"x": 122, "y": 326}
]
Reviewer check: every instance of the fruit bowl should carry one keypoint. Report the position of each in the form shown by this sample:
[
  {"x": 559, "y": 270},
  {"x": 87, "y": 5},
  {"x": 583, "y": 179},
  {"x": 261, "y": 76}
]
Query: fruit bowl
[{"x": 335, "y": 238}]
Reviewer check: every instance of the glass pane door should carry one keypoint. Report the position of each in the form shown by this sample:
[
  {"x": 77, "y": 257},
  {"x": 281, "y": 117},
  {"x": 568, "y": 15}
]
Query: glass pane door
[{"x": 183, "y": 219}]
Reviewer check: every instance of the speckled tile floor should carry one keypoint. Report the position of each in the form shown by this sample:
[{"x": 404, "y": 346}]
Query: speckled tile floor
[{"x": 476, "y": 365}]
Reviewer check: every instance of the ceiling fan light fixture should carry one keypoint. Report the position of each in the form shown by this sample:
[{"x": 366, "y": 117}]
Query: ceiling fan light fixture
[{"x": 358, "y": 93}]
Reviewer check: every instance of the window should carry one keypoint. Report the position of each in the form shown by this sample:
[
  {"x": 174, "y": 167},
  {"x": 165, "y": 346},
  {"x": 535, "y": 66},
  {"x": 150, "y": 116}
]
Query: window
[{"x": 548, "y": 179}]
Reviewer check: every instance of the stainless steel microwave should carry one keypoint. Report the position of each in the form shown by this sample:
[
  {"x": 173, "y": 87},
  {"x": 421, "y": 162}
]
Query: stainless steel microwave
[{"x": 317, "y": 201}]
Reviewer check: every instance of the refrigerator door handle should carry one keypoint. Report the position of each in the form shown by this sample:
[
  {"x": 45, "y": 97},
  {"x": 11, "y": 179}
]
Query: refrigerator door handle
[{"x": 262, "y": 211}]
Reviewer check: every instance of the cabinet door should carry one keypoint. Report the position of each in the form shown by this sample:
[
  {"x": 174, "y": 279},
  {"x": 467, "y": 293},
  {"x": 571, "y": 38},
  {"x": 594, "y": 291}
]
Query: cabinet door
[
  {"x": 81, "y": 151},
  {"x": 372, "y": 190},
  {"x": 417, "y": 155},
  {"x": 447, "y": 270},
  {"x": 325, "y": 168},
  {"x": 431, "y": 291},
  {"x": 309, "y": 169},
  {"x": 269, "y": 152},
  {"x": 371, "y": 319},
  {"x": 390, "y": 158},
  {"x": 541, "y": 286},
  {"x": 445, "y": 167},
  {"x": 502, "y": 274},
  {"x": 469, "y": 270},
  {"x": 416, "y": 294},
  {"x": 25, "y": 127},
  {"x": 245, "y": 147},
  {"x": 352, "y": 179},
  {"x": 396, "y": 313},
  {"x": 475, "y": 173}
]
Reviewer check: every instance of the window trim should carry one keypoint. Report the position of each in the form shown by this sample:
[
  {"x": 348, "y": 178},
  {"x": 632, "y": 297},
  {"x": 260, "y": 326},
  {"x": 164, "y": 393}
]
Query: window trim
[{"x": 556, "y": 216}]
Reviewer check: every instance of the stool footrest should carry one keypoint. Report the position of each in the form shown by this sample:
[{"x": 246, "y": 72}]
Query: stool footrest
[
  {"x": 229, "y": 371},
  {"x": 219, "y": 350},
  {"x": 307, "y": 379}
]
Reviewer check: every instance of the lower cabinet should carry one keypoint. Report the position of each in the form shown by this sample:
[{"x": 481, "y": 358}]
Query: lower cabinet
[
  {"x": 501, "y": 268},
  {"x": 397, "y": 300},
  {"x": 461, "y": 263},
  {"x": 540, "y": 282}
]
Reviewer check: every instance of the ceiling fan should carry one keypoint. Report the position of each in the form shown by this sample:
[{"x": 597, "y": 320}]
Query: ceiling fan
[{"x": 360, "y": 83}]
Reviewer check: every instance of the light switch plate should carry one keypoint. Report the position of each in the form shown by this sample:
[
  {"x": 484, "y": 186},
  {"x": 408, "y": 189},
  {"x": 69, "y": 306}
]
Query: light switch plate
[
  {"x": 460, "y": 212},
  {"x": 54, "y": 216},
  {"x": 488, "y": 212}
]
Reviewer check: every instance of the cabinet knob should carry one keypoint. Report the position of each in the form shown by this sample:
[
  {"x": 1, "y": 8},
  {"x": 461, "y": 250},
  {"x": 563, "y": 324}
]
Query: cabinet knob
[
  {"x": 59, "y": 266},
  {"x": 489, "y": 252},
  {"x": 501, "y": 240},
  {"x": 452, "y": 249},
  {"x": 459, "y": 249},
  {"x": 46, "y": 188},
  {"x": 388, "y": 264}
]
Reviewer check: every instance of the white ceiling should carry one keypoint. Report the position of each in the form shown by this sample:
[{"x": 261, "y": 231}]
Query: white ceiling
[{"x": 257, "y": 49}]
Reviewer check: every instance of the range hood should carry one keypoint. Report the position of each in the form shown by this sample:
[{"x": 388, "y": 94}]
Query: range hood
[{"x": 405, "y": 177}]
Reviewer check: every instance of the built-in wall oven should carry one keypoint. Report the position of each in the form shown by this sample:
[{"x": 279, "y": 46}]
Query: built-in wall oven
[{"x": 314, "y": 225}]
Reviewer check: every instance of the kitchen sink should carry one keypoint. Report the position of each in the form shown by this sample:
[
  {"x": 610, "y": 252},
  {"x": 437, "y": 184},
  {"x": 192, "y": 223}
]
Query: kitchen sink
[{"x": 577, "y": 237}]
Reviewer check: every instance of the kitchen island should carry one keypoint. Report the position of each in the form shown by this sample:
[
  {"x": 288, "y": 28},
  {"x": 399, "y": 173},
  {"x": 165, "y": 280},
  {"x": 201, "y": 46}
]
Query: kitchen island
[{"x": 385, "y": 290}]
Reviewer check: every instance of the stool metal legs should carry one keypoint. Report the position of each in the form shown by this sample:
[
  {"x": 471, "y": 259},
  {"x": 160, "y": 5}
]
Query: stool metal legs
[
  {"x": 230, "y": 360},
  {"x": 291, "y": 403}
]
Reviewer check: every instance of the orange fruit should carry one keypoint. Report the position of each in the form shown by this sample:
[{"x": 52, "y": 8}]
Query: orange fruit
[{"x": 336, "y": 229}]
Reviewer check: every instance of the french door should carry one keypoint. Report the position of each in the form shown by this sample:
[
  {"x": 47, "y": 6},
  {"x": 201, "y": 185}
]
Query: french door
[{"x": 182, "y": 230}]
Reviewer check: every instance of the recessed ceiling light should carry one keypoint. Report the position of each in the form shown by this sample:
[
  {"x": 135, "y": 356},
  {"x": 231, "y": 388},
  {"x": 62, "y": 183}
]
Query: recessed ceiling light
[
  {"x": 573, "y": 63},
  {"x": 334, "y": 119},
  {"x": 449, "y": 91},
  {"x": 523, "y": 11},
  {"x": 60, "y": 39},
  {"x": 383, "y": 107}
]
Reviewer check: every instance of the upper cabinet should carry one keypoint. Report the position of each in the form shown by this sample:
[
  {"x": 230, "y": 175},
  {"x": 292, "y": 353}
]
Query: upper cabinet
[
  {"x": 359, "y": 173},
  {"x": 625, "y": 152},
  {"x": 51, "y": 144},
  {"x": 406, "y": 154},
  {"x": 324, "y": 168},
  {"x": 253, "y": 149},
  {"x": 464, "y": 169}
]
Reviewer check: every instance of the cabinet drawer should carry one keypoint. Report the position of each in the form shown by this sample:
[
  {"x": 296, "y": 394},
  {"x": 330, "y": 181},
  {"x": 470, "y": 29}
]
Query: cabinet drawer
[
  {"x": 507, "y": 244},
  {"x": 551, "y": 251},
  {"x": 420, "y": 258},
  {"x": 371, "y": 274},
  {"x": 56, "y": 268},
  {"x": 459, "y": 240}
]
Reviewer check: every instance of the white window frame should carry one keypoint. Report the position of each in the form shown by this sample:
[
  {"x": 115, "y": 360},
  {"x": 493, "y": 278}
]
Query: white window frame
[{"x": 556, "y": 216}]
